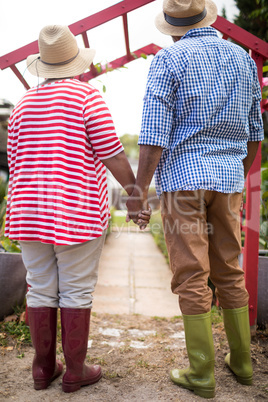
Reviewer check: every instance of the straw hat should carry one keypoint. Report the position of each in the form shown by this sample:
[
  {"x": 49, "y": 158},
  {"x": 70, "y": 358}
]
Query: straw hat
[
  {"x": 59, "y": 55},
  {"x": 179, "y": 16}
]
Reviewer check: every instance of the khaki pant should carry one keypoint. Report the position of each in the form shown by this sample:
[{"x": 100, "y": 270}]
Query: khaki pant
[
  {"x": 202, "y": 231},
  {"x": 61, "y": 276}
]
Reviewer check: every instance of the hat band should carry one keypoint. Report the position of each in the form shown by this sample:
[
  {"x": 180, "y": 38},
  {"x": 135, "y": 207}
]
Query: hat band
[
  {"x": 61, "y": 63},
  {"x": 187, "y": 21}
]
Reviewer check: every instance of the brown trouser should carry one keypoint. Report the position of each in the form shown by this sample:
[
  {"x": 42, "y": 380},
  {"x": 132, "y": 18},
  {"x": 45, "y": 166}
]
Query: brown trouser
[{"x": 202, "y": 231}]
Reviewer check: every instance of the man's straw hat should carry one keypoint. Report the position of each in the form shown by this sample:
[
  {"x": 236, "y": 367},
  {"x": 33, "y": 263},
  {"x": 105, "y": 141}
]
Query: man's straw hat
[
  {"x": 179, "y": 16},
  {"x": 59, "y": 55}
]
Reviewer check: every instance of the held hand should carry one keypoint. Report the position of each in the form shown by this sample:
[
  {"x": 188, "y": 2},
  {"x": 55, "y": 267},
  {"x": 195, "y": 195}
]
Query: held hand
[
  {"x": 135, "y": 206},
  {"x": 143, "y": 218},
  {"x": 138, "y": 210}
]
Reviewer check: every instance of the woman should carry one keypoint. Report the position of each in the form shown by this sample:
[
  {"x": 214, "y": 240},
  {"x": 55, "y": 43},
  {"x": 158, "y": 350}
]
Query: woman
[{"x": 61, "y": 139}]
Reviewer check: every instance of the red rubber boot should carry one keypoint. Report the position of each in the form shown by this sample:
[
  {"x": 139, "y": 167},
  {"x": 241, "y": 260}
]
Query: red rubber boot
[
  {"x": 75, "y": 330},
  {"x": 43, "y": 328}
]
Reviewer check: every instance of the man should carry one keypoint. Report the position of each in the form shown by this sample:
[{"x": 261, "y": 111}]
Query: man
[{"x": 201, "y": 129}]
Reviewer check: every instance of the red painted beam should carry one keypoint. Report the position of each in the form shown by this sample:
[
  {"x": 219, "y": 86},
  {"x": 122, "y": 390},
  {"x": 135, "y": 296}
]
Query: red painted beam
[
  {"x": 146, "y": 50},
  {"x": 251, "y": 245},
  {"x": 18, "y": 55},
  {"x": 20, "y": 77},
  {"x": 241, "y": 36},
  {"x": 77, "y": 28},
  {"x": 85, "y": 40},
  {"x": 252, "y": 226},
  {"x": 110, "y": 13},
  {"x": 125, "y": 25}
]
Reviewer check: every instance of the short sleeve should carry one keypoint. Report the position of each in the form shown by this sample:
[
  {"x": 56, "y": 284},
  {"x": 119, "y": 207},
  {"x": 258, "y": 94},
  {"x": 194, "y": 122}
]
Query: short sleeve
[{"x": 100, "y": 127}]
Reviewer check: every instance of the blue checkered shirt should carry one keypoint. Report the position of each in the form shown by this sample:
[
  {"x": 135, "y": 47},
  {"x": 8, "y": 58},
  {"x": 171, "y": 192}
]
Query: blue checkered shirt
[{"x": 202, "y": 106}]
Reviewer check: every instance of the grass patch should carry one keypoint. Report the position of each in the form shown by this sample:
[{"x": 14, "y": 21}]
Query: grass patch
[
  {"x": 110, "y": 375},
  {"x": 216, "y": 315},
  {"x": 142, "y": 363},
  {"x": 176, "y": 318},
  {"x": 156, "y": 318},
  {"x": 157, "y": 232},
  {"x": 16, "y": 332},
  {"x": 118, "y": 221}
]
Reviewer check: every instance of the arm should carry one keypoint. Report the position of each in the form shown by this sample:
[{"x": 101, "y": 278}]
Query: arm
[
  {"x": 157, "y": 123},
  {"x": 148, "y": 161},
  {"x": 120, "y": 168},
  {"x": 252, "y": 151}
]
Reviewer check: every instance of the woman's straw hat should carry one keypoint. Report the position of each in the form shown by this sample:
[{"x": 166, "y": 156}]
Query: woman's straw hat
[
  {"x": 59, "y": 55},
  {"x": 179, "y": 16}
]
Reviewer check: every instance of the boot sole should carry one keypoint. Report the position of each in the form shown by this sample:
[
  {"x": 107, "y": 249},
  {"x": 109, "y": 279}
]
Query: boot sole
[
  {"x": 241, "y": 380},
  {"x": 203, "y": 392},
  {"x": 73, "y": 387},
  {"x": 244, "y": 381},
  {"x": 40, "y": 384}
]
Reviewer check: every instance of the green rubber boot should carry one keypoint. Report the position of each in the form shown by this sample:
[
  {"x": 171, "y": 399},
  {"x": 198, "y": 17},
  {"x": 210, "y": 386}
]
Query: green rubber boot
[
  {"x": 236, "y": 323},
  {"x": 199, "y": 377}
]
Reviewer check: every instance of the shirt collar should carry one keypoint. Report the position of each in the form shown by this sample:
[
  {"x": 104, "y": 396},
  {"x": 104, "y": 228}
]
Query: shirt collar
[{"x": 197, "y": 32}]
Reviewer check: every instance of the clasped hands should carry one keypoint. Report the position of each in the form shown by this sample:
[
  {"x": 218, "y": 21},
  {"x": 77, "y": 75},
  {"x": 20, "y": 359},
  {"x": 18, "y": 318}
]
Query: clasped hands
[{"x": 138, "y": 210}]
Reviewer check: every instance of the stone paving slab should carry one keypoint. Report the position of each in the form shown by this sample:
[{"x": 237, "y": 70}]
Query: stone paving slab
[{"x": 134, "y": 277}]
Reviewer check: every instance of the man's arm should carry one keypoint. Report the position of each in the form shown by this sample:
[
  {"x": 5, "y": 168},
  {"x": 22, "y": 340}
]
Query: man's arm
[
  {"x": 148, "y": 160},
  {"x": 252, "y": 151}
]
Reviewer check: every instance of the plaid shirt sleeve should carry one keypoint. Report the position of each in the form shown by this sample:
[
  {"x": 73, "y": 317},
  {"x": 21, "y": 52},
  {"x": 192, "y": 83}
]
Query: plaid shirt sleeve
[
  {"x": 256, "y": 132},
  {"x": 158, "y": 105}
]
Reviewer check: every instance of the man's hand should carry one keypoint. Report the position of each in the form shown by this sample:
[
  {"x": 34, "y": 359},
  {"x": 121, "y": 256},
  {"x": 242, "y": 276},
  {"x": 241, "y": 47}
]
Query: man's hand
[{"x": 137, "y": 203}]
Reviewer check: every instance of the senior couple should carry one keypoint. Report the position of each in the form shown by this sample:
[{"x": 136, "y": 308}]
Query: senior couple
[{"x": 200, "y": 132}]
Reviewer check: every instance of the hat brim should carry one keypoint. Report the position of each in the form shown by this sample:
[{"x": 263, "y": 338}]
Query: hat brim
[
  {"x": 76, "y": 67},
  {"x": 172, "y": 30}
]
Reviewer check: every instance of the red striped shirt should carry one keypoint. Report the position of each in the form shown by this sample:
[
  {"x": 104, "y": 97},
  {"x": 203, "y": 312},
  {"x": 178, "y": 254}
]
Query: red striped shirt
[{"x": 58, "y": 133}]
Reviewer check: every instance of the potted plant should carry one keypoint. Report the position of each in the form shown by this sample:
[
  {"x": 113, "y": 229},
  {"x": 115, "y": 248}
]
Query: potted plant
[
  {"x": 262, "y": 315},
  {"x": 13, "y": 284}
]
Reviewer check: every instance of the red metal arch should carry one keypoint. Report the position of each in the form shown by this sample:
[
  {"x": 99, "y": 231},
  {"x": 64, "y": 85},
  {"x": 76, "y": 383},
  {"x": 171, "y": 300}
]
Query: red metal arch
[{"x": 259, "y": 52}]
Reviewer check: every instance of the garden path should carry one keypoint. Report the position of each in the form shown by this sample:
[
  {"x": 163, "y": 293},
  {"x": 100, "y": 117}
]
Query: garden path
[{"x": 134, "y": 277}]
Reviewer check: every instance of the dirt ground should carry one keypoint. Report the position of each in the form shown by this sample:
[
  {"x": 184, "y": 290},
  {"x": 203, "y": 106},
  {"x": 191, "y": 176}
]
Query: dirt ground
[{"x": 136, "y": 354}]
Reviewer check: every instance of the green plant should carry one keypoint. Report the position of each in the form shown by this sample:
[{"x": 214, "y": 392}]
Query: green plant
[
  {"x": 156, "y": 318},
  {"x": 15, "y": 332},
  {"x": 11, "y": 246},
  {"x": 142, "y": 363},
  {"x": 111, "y": 375},
  {"x": 216, "y": 315},
  {"x": 118, "y": 221},
  {"x": 158, "y": 233},
  {"x": 264, "y": 209}
]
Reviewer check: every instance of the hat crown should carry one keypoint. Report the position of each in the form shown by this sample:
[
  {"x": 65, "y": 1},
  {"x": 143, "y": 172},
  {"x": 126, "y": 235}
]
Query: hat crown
[
  {"x": 57, "y": 44},
  {"x": 183, "y": 8}
]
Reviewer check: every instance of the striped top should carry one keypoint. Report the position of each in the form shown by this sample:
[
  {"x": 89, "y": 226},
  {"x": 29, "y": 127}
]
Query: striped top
[{"x": 58, "y": 134}]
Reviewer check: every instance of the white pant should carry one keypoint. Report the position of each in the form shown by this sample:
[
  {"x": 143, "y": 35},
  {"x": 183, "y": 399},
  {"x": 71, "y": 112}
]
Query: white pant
[{"x": 61, "y": 276}]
